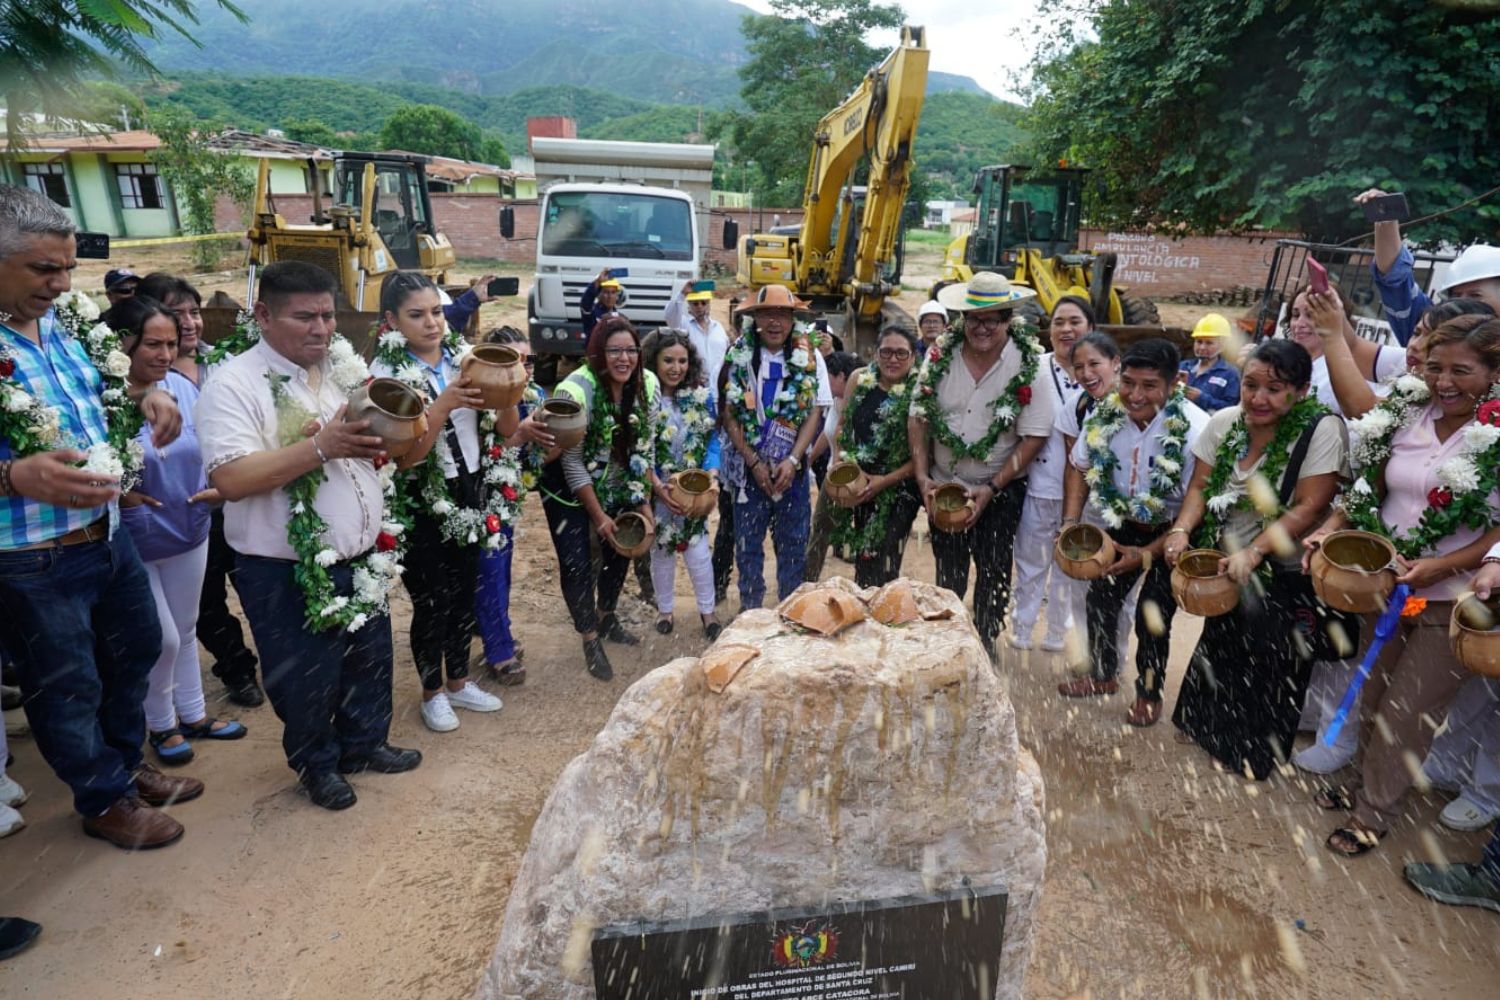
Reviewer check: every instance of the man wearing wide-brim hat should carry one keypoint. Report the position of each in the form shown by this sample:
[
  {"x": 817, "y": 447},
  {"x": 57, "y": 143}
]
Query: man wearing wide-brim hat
[
  {"x": 775, "y": 392},
  {"x": 981, "y": 413}
]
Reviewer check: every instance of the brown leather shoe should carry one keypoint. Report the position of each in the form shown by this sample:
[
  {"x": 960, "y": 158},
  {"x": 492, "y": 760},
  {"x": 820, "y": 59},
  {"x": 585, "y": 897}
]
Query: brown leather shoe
[
  {"x": 1144, "y": 713},
  {"x": 134, "y": 826},
  {"x": 157, "y": 789},
  {"x": 1087, "y": 687}
]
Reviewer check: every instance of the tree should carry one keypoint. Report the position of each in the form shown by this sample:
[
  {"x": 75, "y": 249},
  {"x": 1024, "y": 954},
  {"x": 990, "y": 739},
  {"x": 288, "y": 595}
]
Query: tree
[
  {"x": 1239, "y": 113},
  {"x": 311, "y": 130},
  {"x": 48, "y": 48},
  {"x": 436, "y": 131},
  {"x": 804, "y": 60},
  {"x": 197, "y": 175}
]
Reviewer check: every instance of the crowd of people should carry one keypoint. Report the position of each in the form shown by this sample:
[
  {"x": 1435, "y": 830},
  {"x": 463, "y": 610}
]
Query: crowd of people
[{"x": 144, "y": 469}]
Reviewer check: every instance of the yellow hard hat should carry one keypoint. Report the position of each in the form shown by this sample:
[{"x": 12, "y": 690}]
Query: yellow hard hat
[
  {"x": 609, "y": 283},
  {"x": 1211, "y": 325}
]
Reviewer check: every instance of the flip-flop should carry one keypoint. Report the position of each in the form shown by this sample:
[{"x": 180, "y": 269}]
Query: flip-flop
[
  {"x": 1364, "y": 841},
  {"x": 174, "y": 755},
  {"x": 232, "y": 730},
  {"x": 510, "y": 673},
  {"x": 1333, "y": 798}
]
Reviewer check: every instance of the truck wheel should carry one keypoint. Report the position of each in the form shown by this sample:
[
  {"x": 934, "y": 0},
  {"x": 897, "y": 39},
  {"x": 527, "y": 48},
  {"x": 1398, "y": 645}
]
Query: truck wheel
[{"x": 1139, "y": 311}]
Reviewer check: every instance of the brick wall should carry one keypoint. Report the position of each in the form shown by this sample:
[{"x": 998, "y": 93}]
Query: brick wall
[{"x": 1160, "y": 265}]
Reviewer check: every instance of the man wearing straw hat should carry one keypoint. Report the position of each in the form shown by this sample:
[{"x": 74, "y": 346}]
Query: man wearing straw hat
[{"x": 981, "y": 413}]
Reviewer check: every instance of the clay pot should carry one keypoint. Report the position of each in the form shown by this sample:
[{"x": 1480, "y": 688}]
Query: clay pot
[
  {"x": 396, "y": 412},
  {"x": 844, "y": 483},
  {"x": 825, "y": 610},
  {"x": 1200, "y": 588},
  {"x": 1083, "y": 551},
  {"x": 1474, "y": 631},
  {"x": 564, "y": 420},
  {"x": 497, "y": 372},
  {"x": 951, "y": 506},
  {"x": 695, "y": 488},
  {"x": 633, "y": 535},
  {"x": 1354, "y": 571}
]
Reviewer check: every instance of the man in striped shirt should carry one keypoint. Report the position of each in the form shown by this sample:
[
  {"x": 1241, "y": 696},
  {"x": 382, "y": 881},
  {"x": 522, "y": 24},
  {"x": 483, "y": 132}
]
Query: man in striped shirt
[{"x": 76, "y": 612}]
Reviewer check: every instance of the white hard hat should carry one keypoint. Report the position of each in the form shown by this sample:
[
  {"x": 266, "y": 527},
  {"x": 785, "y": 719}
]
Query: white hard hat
[
  {"x": 932, "y": 307},
  {"x": 1477, "y": 263}
]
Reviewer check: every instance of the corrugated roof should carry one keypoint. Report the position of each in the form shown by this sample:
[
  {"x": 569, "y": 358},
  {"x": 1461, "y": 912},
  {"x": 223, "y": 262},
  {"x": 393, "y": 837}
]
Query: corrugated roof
[{"x": 134, "y": 141}]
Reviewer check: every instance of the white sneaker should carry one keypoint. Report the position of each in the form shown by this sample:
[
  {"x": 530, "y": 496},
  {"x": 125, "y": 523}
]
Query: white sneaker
[
  {"x": 438, "y": 714},
  {"x": 1054, "y": 644},
  {"x": 1461, "y": 814},
  {"x": 11, "y": 792},
  {"x": 10, "y": 821},
  {"x": 474, "y": 698},
  {"x": 1018, "y": 640},
  {"x": 1320, "y": 759}
]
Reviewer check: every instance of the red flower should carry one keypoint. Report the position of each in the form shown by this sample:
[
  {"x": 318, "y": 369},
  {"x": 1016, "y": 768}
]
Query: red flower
[
  {"x": 934, "y": 354},
  {"x": 509, "y": 493},
  {"x": 1439, "y": 496},
  {"x": 496, "y": 451},
  {"x": 1023, "y": 395},
  {"x": 492, "y": 524},
  {"x": 379, "y": 460},
  {"x": 385, "y": 542},
  {"x": 7, "y": 367},
  {"x": 682, "y": 546},
  {"x": 1489, "y": 413}
]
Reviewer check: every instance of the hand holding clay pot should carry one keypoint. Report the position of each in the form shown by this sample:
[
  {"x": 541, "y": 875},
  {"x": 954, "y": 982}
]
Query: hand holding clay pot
[
  {"x": 564, "y": 421},
  {"x": 460, "y": 394},
  {"x": 392, "y": 410},
  {"x": 498, "y": 372},
  {"x": 533, "y": 431},
  {"x": 344, "y": 438}
]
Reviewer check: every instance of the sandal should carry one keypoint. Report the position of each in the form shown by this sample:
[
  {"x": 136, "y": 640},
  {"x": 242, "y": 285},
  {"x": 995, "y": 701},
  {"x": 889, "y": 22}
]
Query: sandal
[
  {"x": 1363, "y": 841},
  {"x": 510, "y": 673},
  {"x": 172, "y": 756},
  {"x": 204, "y": 730},
  {"x": 1334, "y": 798}
]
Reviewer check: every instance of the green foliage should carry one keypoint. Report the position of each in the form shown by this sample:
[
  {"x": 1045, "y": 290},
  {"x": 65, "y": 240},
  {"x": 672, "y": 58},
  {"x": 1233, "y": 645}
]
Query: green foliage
[
  {"x": 805, "y": 59},
  {"x": 436, "y": 131},
  {"x": 48, "y": 48},
  {"x": 1240, "y": 113},
  {"x": 197, "y": 175},
  {"x": 958, "y": 134}
]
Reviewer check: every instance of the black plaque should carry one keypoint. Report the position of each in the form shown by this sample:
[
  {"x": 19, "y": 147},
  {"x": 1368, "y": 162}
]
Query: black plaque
[{"x": 942, "y": 946}]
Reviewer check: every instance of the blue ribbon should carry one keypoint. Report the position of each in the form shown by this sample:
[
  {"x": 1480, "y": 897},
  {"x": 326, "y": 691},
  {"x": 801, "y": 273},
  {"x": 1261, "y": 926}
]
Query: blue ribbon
[{"x": 1384, "y": 629}]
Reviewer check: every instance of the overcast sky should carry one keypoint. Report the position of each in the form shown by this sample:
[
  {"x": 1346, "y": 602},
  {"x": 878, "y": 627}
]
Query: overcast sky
[{"x": 984, "y": 39}]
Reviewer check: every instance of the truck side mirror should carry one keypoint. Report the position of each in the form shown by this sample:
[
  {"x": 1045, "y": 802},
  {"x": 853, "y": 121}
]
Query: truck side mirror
[
  {"x": 731, "y": 234},
  {"x": 507, "y": 222}
]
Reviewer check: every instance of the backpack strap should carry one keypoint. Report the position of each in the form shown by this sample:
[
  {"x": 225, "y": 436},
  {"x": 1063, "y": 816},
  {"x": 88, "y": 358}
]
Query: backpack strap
[{"x": 1293, "y": 470}]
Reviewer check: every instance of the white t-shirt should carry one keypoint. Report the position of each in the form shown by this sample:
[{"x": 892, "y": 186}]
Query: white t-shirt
[{"x": 1391, "y": 361}]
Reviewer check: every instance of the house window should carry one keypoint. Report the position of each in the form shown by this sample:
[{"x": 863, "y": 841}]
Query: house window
[
  {"x": 48, "y": 179},
  {"x": 139, "y": 185}
]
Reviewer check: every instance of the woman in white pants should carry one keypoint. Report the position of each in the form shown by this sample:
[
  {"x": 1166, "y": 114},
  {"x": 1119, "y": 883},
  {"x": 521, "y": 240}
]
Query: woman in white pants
[
  {"x": 1072, "y": 318},
  {"x": 686, "y": 440},
  {"x": 167, "y": 516}
]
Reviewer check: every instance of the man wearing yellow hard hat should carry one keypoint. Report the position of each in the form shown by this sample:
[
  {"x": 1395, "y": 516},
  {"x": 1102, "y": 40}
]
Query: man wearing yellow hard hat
[
  {"x": 600, "y": 299},
  {"x": 1212, "y": 382}
]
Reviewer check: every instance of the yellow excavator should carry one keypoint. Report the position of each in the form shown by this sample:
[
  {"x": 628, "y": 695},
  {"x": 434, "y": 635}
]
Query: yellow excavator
[{"x": 845, "y": 257}]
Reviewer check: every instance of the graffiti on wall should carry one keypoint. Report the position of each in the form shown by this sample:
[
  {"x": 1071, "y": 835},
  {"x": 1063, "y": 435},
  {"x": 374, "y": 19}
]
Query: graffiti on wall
[{"x": 1145, "y": 259}]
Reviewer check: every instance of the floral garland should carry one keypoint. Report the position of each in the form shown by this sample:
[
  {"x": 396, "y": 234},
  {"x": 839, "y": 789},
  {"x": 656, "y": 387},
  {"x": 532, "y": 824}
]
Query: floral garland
[
  {"x": 508, "y": 473},
  {"x": 675, "y": 533},
  {"x": 374, "y": 574},
  {"x": 795, "y": 395},
  {"x": 1148, "y": 507},
  {"x": 889, "y": 448},
  {"x": 619, "y": 489},
  {"x": 1004, "y": 411},
  {"x": 246, "y": 334},
  {"x": 1223, "y": 498},
  {"x": 1467, "y": 478}
]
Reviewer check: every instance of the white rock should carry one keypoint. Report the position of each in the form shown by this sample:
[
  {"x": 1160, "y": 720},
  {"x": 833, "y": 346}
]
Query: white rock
[{"x": 878, "y": 763}]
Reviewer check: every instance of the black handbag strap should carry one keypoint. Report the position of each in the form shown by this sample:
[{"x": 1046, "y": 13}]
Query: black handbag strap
[
  {"x": 1299, "y": 455},
  {"x": 468, "y": 482}
]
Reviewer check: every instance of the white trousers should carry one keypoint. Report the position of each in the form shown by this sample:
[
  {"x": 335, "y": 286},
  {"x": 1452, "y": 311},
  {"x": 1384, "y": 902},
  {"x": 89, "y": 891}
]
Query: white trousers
[
  {"x": 1466, "y": 751},
  {"x": 700, "y": 566},
  {"x": 175, "y": 692},
  {"x": 1330, "y": 679},
  {"x": 1037, "y": 575}
]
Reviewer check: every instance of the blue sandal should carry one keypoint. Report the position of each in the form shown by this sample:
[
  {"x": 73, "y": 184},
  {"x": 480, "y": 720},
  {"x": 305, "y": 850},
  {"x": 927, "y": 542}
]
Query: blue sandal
[
  {"x": 233, "y": 730},
  {"x": 174, "y": 755}
]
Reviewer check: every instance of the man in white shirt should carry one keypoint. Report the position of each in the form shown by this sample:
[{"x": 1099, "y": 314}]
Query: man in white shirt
[
  {"x": 976, "y": 403},
  {"x": 1137, "y": 503},
  {"x": 690, "y": 312},
  {"x": 331, "y": 687}
]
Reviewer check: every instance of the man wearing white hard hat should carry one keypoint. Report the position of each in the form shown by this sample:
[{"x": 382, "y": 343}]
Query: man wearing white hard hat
[
  {"x": 1475, "y": 274},
  {"x": 932, "y": 320},
  {"x": 982, "y": 411}
]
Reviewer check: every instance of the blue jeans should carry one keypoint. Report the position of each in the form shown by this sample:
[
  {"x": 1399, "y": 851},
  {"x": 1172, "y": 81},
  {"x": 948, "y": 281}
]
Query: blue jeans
[
  {"x": 81, "y": 626},
  {"x": 790, "y": 520},
  {"x": 331, "y": 690},
  {"x": 492, "y": 601}
]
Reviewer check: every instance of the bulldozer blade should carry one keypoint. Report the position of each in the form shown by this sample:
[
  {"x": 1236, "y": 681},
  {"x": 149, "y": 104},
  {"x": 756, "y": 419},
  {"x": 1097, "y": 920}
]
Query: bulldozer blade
[
  {"x": 1125, "y": 335},
  {"x": 220, "y": 312}
]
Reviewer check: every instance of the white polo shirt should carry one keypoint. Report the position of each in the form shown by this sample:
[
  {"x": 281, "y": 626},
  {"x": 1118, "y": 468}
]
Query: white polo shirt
[{"x": 1135, "y": 447}]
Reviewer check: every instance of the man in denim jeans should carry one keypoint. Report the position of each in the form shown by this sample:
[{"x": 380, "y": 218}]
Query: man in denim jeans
[{"x": 76, "y": 612}]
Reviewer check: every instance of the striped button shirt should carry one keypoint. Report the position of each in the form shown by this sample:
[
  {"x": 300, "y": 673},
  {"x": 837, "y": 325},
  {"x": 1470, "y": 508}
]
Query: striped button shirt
[{"x": 59, "y": 374}]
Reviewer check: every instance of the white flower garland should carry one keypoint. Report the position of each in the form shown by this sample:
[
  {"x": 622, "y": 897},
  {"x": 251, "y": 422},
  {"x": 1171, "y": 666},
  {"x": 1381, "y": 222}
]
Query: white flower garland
[{"x": 1148, "y": 506}]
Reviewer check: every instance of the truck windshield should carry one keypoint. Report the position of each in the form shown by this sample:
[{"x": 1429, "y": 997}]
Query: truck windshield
[{"x": 617, "y": 224}]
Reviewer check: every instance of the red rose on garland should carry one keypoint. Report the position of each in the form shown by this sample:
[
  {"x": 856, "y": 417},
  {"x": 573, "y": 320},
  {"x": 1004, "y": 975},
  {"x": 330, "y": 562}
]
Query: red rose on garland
[
  {"x": 934, "y": 354},
  {"x": 509, "y": 493},
  {"x": 1489, "y": 413},
  {"x": 492, "y": 523},
  {"x": 385, "y": 542},
  {"x": 682, "y": 546},
  {"x": 1023, "y": 395},
  {"x": 379, "y": 460},
  {"x": 1439, "y": 496},
  {"x": 7, "y": 367},
  {"x": 496, "y": 451}
]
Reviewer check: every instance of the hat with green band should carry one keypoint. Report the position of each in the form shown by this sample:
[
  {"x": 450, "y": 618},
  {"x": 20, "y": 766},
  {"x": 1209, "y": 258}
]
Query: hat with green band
[{"x": 986, "y": 290}]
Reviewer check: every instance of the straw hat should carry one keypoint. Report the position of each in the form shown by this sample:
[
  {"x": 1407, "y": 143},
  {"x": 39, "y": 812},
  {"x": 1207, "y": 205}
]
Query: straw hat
[
  {"x": 776, "y": 297},
  {"x": 986, "y": 290}
]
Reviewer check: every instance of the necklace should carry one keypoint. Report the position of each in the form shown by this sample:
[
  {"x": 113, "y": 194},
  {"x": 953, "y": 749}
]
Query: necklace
[{"x": 1147, "y": 506}]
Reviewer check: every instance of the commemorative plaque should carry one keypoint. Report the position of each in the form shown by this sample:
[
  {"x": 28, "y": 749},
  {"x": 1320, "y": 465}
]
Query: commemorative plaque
[{"x": 939, "y": 946}]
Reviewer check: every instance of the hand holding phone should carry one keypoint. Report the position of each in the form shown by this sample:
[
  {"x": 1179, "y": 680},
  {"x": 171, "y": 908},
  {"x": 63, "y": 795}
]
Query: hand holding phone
[
  {"x": 504, "y": 286},
  {"x": 618, "y": 272},
  {"x": 1317, "y": 276},
  {"x": 1381, "y": 207}
]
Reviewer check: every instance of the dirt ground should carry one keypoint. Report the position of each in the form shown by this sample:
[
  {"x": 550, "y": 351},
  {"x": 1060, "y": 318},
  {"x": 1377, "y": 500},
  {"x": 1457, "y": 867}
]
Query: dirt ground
[{"x": 1166, "y": 878}]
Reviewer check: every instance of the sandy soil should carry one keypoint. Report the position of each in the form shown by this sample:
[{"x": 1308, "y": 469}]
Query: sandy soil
[{"x": 1166, "y": 877}]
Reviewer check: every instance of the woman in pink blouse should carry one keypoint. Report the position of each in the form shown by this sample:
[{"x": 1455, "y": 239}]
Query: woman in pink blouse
[{"x": 1442, "y": 457}]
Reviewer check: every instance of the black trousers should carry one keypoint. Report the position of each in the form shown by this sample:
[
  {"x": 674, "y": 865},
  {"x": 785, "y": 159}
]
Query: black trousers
[
  {"x": 875, "y": 569},
  {"x": 1105, "y": 599},
  {"x": 220, "y": 631},
  {"x": 441, "y": 577},
  {"x": 570, "y": 539},
  {"x": 988, "y": 544},
  {"x": 724, "y": 543}
]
